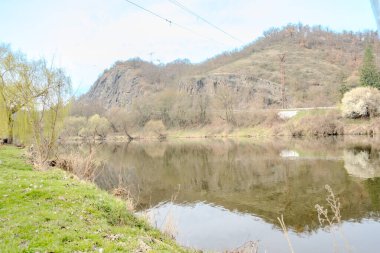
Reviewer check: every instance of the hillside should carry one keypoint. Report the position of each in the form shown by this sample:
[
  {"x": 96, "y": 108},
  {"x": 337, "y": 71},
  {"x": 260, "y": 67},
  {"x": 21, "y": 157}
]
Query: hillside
[{"x": 318, "y": 63}]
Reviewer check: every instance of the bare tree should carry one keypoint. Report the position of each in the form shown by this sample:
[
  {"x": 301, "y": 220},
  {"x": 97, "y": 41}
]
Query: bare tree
[
  {"x": 226, "y": 99},
  {"x": 282, "y": 58},
  {"x": 121, "y": 121},
  {"x": 97, "y": 126},
  {"x": 72, "y": 125},
  {"x": 202, "y": 102},
  {"x": 47, "y": 110}
]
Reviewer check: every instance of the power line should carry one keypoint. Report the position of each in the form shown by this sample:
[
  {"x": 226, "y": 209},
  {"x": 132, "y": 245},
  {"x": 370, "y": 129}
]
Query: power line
[
  {"x": 172, "y": 22},
  {"x": 203, "y": 19}
]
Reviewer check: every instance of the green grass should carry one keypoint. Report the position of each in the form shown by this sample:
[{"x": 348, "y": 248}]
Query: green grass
[{"x": 51, "y": 211}]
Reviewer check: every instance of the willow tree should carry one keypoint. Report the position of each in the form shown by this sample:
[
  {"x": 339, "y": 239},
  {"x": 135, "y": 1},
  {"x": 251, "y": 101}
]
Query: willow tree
[
  {"x": 17, "y": 90},
  {"x": 9, "y": 89},
  {"x": 3, "y": 118},
  {"x": 50, "y": 94},
  {"x": 33, "y": 99}
]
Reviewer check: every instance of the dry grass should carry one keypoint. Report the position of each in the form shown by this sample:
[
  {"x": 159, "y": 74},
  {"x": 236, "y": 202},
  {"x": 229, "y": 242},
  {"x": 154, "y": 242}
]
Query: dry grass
[
  {"x": 125, "y": 194},
  {"x": 248, "y": 247},
  {"x": 285, "y": 231},
  {"x": 330, "y": 218},
  {"x": 252, "y": 118},
  {"x": 368, "y": 127},
  {"x": 316, "y": 123},
  {"x": 323, "y": 213},
  {"x": 83, "y": 166},
  {"x": 170, "y": 226}
]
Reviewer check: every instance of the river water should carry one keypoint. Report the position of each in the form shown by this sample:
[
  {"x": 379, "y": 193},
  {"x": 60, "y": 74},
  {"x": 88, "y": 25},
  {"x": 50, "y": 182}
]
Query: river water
[{"x": 216, "y": 195}]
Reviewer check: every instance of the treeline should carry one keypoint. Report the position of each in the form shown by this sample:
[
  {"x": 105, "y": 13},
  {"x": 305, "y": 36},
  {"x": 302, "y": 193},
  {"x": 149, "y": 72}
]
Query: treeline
[
  {"x": 168, "y": 109},
  {"x": 156, "y": 112},
  {"x": 173, "y": 109}
]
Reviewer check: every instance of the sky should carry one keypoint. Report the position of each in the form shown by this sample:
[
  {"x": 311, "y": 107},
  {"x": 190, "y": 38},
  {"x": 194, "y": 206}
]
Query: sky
[{"x": 85, "y": 37}]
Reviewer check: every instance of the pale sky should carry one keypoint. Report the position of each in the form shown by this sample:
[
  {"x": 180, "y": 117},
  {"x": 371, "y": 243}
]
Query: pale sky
[{"x": 84, "y": 37}]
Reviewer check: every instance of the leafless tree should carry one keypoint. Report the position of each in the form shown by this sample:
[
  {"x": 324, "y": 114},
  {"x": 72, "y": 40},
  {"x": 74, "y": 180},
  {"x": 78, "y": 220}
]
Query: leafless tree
[{"x": 226, "y": 99}]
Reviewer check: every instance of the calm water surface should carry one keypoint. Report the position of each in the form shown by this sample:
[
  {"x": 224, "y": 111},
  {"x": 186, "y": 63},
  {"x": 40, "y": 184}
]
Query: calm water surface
[{"x": 220, "y": 194}]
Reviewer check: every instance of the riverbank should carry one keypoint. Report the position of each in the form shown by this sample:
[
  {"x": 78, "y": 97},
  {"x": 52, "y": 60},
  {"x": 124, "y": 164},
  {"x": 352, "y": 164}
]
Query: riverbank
[
  {"x": 308, "y": 123},
  {"x": 53, "y": 211}
]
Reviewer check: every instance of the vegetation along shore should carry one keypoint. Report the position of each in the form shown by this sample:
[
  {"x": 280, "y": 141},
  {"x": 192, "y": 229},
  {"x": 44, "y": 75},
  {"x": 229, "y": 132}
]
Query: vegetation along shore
[{"x": 54, "y": 211}]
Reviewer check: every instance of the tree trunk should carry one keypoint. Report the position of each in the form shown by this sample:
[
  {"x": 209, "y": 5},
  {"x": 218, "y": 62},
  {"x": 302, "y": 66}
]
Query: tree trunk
[
  {"x": 130, "y": 138},
  {"x": 10, "y": 129}
]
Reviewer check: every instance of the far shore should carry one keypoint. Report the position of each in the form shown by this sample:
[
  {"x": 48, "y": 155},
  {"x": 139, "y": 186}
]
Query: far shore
[{"x": 302, "y": 127}]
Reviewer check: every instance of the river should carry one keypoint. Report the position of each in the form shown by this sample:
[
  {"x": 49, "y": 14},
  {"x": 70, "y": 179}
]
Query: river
[{"x": 216, "y": 195}]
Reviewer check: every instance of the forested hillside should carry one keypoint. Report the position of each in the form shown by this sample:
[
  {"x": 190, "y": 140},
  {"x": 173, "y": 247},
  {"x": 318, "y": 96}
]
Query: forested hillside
[
  {"x": 318, "y": 64},
  {"x": 295, "y": 66}
]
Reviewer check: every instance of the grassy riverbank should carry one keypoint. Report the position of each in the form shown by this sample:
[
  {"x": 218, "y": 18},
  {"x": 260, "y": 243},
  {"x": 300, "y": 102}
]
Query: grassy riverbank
[{"x": 51, "y": 211}]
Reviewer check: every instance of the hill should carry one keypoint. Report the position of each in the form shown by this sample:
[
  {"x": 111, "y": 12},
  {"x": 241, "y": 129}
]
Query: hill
[{"x": 319, "y": 64}]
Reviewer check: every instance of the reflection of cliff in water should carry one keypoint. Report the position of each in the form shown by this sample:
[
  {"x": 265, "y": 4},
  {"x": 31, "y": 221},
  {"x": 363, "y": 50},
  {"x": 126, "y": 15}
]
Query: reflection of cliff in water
[{"x": 244, "y": 177}]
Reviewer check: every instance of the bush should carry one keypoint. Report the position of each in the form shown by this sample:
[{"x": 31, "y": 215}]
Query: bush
[
  {"x": 362, "y": 102},
  {"x": 253, "y": 118},
  {"x": 157, "y": 127},
  {"x": 321, "y": 124},
  {"x": 96, "y": 126},
  {"x": 72, "y": 126}
]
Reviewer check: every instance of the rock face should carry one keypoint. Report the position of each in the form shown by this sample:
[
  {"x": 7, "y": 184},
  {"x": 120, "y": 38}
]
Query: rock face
[
  {"x": 124, "y": 82},
  {"x": 120, "y": 85},
  {"x": 247, "y": 87}
]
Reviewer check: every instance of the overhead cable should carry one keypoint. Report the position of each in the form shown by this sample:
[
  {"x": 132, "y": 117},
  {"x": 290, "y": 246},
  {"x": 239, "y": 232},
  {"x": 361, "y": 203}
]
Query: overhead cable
[
  {"x": 171, "y": 22},
  {"x": 177, "y": 3}
]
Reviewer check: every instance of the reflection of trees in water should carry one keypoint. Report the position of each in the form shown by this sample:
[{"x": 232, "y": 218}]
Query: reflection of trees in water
[
  {"x": 373, "y": 187},
  {"x": 362, "y": 161},
  {"x": 245, "y": 177}
]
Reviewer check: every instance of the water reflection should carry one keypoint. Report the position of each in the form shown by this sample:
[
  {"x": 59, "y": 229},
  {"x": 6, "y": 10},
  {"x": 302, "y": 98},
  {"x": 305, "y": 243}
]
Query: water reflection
[
  {"x": 362, "y": 162},
  {"x": 237, "y": 190},
  {"x": 214, "y": 228}
]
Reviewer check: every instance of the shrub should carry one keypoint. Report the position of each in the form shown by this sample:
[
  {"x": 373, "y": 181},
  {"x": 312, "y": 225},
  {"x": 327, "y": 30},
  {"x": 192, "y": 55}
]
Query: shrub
[
  {"x": 96, "y": 126},
  {"x": 321, "y": 124},
  {"x": 157, "y": 127},
  {"x": 72, "y": 126},
  {"x": 253, "y": 118},
  {"x": 362, "y": 102}
]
